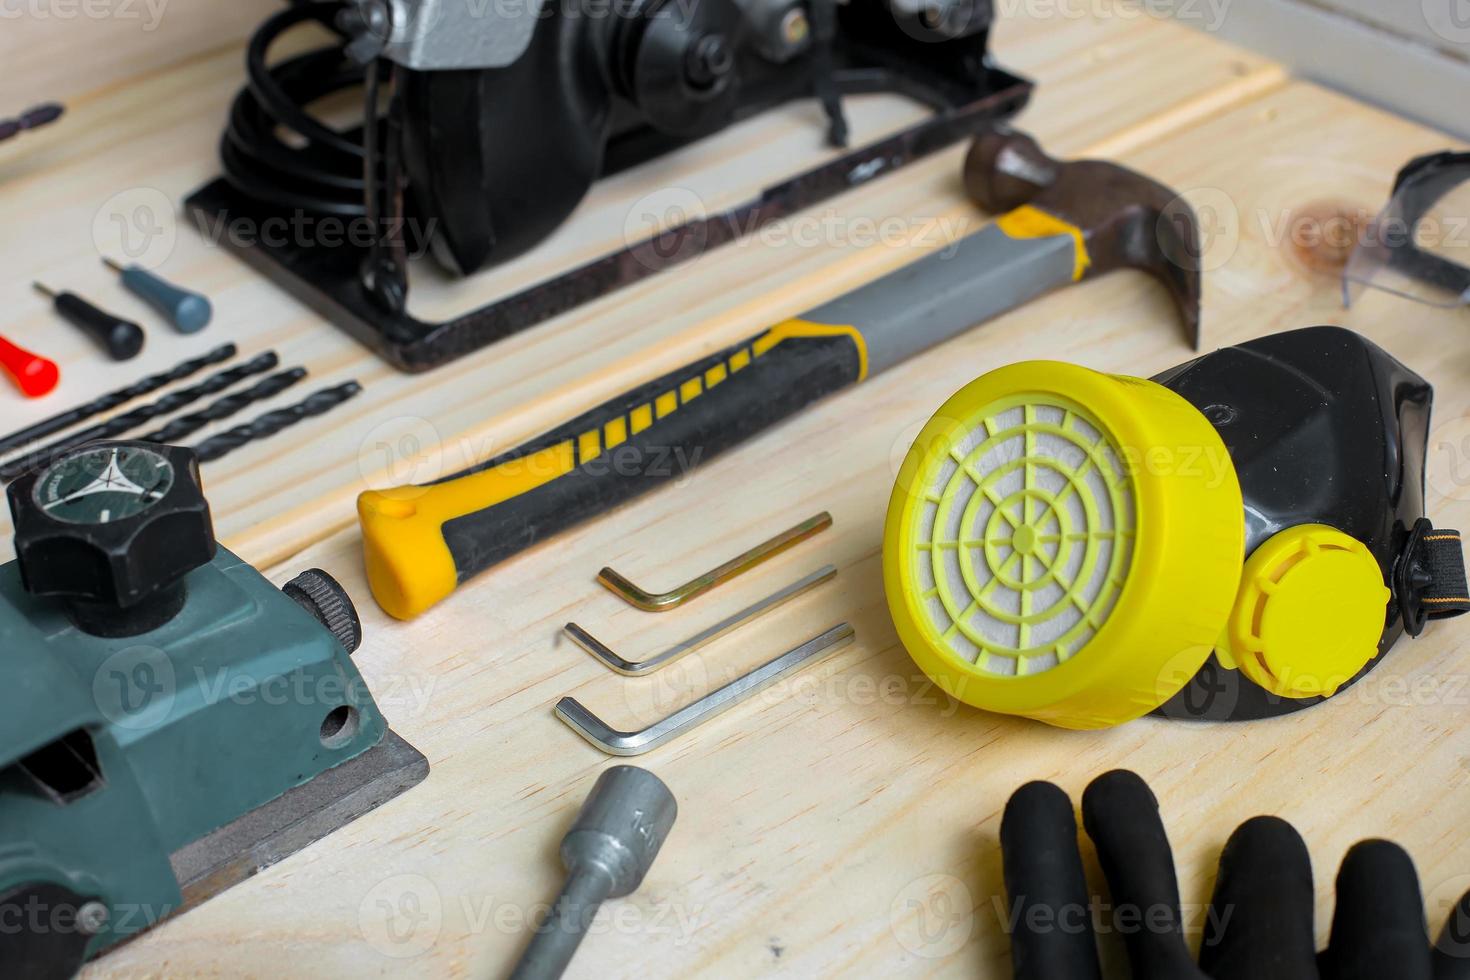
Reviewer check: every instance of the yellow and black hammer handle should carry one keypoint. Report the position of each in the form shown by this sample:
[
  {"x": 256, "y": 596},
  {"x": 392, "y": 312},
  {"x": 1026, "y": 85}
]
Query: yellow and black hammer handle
[{"x": 420, "y": 542}]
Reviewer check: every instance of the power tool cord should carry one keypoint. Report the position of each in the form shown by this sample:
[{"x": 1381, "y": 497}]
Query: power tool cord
[{"x": 321, "y": 172}]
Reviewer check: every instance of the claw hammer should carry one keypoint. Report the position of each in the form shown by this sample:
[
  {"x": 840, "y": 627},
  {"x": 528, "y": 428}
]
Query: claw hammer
[{"x": 1062, "y": 222}]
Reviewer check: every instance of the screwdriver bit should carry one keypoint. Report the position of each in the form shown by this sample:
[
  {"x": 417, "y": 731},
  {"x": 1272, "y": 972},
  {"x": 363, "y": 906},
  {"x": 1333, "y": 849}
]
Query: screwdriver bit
[
  {"x": 122, "y": 339},
  {"x": 188, "y": 312}
]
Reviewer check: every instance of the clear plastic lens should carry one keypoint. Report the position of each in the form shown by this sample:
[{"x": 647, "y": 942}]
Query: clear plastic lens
[{"x": 1418, "y": 247}]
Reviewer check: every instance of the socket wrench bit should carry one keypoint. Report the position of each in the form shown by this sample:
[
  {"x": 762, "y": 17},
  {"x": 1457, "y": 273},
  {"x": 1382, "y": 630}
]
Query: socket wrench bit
[{"x": 607, "y": 852}]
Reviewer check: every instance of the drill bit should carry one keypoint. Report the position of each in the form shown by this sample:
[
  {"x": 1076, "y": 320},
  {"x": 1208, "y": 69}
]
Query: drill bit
[
  {"x": 113, "y": 399},
  {"x": 272, "y": 422},
  {"x": 224, "y": 407},
  {"x": 166, "y": 405},
  {"x": 609, "y": 849}
]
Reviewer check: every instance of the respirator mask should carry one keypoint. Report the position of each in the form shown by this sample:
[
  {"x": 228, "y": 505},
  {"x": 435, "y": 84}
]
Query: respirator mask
[{"x": 1239, "y": 537}]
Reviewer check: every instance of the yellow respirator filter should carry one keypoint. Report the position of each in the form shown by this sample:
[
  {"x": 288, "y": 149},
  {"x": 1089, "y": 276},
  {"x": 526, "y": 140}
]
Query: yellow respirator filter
[
  {"x": 1064, "y": 544},
  {"x": 1309, "y": 612}
]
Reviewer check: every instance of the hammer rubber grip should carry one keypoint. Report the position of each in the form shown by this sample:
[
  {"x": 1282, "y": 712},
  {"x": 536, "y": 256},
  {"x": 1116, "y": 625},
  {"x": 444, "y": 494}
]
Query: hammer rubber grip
[{"x": 421, "y": 541}]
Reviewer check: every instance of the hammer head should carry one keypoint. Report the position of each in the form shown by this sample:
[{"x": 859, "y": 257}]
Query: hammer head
[{"x": 1126, "y": 219}]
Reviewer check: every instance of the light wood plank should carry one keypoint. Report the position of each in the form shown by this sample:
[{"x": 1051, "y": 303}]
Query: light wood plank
[
  {"x": 813, "y": 824},
  {"x": 123, "y": 39}
]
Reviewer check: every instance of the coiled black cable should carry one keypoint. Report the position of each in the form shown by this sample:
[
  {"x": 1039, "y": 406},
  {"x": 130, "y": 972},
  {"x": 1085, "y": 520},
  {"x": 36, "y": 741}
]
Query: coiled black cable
[{"x": 321, "y": 170}]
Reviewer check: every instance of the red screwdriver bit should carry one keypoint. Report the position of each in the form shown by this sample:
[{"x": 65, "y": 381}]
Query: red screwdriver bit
[{"x": 33, "y": 374}]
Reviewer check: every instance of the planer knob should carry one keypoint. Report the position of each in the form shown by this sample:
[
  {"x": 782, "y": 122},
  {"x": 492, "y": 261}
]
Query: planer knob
[{"x": 112, "y": 528}]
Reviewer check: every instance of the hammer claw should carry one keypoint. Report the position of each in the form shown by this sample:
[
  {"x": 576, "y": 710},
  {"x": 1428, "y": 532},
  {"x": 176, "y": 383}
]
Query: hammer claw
[
  {"x": 1125, "y": 219},
  {"x": 1177, "y": 263}
]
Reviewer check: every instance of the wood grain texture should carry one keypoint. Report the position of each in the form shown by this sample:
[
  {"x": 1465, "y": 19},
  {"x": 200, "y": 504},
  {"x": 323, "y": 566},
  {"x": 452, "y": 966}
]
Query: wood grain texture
[
  {"x": 845, "y": 823},
  {"x": 830, "y": 828},
  {"x": 40, "y": 41}
]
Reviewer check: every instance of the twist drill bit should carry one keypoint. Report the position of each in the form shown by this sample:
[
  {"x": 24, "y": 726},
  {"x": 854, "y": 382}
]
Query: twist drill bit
[
  {"x": 225, "y": 407},
  {"x": 111, "y": 400},
  {"x": 166, "y": 405},
  {"x": 272, "y": 422},
  {"x": 609, "y": 849}
]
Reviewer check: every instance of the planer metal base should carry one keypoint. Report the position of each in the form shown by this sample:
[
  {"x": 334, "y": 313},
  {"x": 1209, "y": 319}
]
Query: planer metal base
[
  {"x": 294, "y": 820},
  {"x": 297, "y": 818}
]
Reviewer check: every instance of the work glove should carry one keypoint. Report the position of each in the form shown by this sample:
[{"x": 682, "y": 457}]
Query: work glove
[{"x": 1260, "y": 923}]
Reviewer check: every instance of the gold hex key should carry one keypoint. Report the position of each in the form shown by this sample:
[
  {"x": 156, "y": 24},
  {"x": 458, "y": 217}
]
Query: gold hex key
[{"x": 641, "y": 598}]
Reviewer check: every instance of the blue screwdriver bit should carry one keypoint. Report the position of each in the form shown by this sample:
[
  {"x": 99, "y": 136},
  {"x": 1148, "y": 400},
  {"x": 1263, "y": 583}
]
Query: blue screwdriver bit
[{"x": 189, "y": 312}]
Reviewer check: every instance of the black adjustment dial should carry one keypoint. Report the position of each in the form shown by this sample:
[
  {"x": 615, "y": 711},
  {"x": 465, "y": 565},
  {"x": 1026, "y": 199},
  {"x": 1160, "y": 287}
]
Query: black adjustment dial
[
  {"x": 329, "y": 604},
  {"x": 113, "y": 527}
]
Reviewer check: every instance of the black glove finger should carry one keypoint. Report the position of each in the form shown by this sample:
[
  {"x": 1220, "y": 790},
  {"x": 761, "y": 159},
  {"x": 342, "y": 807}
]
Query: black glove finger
[
  {"x": 1051, "y": 932},
  {"x": 1378, "y": 926},
  {"x": 1122, "y": 818},
  {"x": 1260, "y": 921},
  {"x": 1452, "y": 949}
]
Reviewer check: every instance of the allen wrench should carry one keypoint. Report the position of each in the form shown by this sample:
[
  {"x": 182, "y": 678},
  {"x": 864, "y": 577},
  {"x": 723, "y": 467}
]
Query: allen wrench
[
  {"x": 615, "y": 742},
  {"x": 700, "y": 584},
  {"x": 637, "y": 668}
]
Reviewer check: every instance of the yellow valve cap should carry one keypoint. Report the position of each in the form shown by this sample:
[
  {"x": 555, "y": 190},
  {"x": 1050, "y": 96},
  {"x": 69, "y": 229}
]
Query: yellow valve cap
[
  {"x": 1310, "y": 612},
  {"x": 1063, "y": 544}
]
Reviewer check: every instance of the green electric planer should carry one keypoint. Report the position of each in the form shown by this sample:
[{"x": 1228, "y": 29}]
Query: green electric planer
[{"x": 170, "y": 722}]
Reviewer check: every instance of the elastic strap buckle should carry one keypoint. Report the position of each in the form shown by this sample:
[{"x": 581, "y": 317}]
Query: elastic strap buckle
[{"x": 1429, "y": 580}]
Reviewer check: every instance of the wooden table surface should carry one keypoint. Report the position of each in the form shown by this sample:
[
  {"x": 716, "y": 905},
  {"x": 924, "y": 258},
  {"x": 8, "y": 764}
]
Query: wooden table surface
[{"x": 845, "y": 822}]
